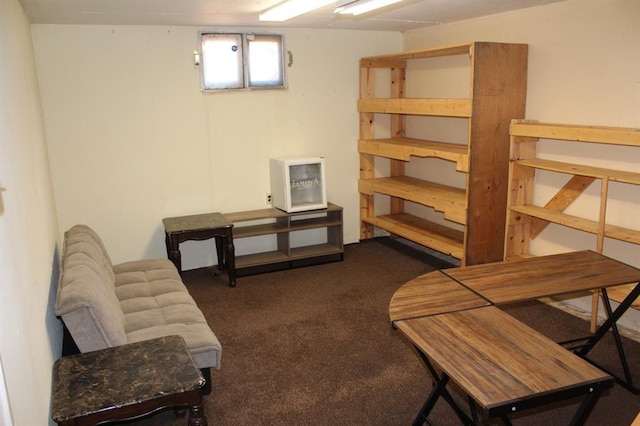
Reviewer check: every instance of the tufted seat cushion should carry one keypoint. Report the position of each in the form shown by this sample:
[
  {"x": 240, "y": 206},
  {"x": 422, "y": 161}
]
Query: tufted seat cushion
[{"x": 104, "y": 305}]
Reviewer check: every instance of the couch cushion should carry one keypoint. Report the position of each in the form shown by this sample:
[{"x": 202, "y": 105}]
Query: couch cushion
[
  {"x": 156, "y": 303},
  {"x": 86, "y": 299}
]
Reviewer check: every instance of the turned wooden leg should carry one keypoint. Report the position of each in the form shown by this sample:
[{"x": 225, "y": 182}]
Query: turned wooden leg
[
  {"x": 230, "y": 253},
  {"x": 173, "y": 252},
  {"x": 196, "y": 416}
]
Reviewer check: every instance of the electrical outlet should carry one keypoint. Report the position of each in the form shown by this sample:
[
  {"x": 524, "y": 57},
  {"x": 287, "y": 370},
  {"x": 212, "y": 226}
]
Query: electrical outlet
[{"x": 268, "y": 198}]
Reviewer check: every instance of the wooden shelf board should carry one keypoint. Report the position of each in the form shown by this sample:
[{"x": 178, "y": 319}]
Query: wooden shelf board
[
  {"x": 621, "y": 292},
  {"x": 451, "y": 201},
  {"x": 247, "y": 216},
  {"x": 582, "y": 170},
  {"x": 459, "y": 49},
  {"x": 429, "y": 234},
  {"x": 595, "y": 134},
  {"x": 412, "y": 106},
  {"x": 330, "y": 208},
  {"x": 586, "y": 225},
  {"x": 296, "y": 253},
  {"x": 404, "y": 148},
  {"x": 622, "y": 234},
  {"x": 273, "y": 213},
  {"x": 315, "y": 250},
  {"x": 571, "y": 221},
  {"x": 255, "y": 230},
  {"x": 257, "y": 259},
  {"x": 321, "y": 222}
]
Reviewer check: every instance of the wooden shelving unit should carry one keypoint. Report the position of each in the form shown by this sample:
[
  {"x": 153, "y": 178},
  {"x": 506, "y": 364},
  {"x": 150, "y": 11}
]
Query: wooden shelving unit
[
  {"x": 526, "y": 220},
  {"x": 281, "y": 226},
  {"x": 497, "y": 93}
]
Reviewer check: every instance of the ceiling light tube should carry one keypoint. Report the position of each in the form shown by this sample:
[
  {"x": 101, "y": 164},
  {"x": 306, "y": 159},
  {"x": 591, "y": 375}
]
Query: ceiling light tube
[
  {"x": 291, "y": 9},
  {"x": 358, "y": 7}
]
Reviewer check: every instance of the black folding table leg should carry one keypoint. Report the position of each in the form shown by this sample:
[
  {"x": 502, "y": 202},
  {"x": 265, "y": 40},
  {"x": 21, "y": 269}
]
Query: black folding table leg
[
  {"x": 611, "y": 323},
  {"x": 466, "y": 420},
  {"x": 587, "y": 405},
  {"x": 618, "y": 339},
  {"x": 505, "y": 420},
  {"x": 472, "y": 408},
  {"x": 611, "y": 320},
  {"x": 431, "y": 400}
]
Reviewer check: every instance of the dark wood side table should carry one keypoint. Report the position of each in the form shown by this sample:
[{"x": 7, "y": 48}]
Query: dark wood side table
[
  {"x": 127, "y": 382},
  {"x": 202, "y": 227}
]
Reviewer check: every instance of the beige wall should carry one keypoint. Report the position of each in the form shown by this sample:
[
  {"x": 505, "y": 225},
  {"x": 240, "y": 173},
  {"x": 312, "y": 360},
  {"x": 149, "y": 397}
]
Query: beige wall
[
  {"x": 133, "y": 139},
  {"x": 583, "y": 69},
  {"x": 30, "y": 335}
]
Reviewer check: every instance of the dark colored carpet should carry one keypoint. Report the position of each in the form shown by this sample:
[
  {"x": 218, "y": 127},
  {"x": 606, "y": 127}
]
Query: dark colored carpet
[{"x": 313, "y": 346}]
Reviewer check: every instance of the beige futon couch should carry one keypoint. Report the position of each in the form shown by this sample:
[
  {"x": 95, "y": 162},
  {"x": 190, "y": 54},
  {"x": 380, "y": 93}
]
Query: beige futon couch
[{"x": 104, "y": 305}]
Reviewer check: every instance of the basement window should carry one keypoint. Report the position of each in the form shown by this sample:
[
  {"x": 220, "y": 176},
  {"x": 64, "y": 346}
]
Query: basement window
[{"x": 240, "y": 61}]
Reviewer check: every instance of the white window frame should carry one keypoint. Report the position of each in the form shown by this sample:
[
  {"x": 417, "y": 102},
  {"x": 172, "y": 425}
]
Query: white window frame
[{"x": 244, "y": 84}]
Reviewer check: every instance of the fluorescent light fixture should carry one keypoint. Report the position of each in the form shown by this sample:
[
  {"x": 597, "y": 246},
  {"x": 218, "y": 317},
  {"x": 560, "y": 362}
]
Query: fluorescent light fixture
[
  {"x": 358, "y": 7},
  {"x": 292, "y": 8}
]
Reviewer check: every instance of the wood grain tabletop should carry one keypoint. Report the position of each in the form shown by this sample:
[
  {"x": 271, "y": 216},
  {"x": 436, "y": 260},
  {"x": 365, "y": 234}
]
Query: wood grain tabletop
[{"x": 503, "y": 364}]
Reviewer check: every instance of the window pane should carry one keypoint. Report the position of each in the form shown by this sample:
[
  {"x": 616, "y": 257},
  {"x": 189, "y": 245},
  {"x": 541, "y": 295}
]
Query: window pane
[
  {"x": 265, "y": 60},
  {"x": 222, "y": 61}
]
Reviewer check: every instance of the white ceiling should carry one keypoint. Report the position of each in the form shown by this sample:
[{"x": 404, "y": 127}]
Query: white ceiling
[{"x": 403, "y": 16}]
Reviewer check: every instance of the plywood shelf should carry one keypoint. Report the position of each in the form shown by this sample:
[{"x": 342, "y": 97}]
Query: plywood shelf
[
  {"x": 496, "y": 88},
  {"x": 622, "y": 234},
  {"x": 434, "y": 107},
  {"x": 405, "y": 148},
  {"x": 402, "y": 57},
  {"x": 429, "y": 234},
  {"x": 576, "y": 133},
  {"x": 523, "y": 169},
  {"x": 586, "y": 225},
  {"x": 560, "y": 218},
  {"x": 446, "y": 199},
  {"x": 582, "y": 170}
]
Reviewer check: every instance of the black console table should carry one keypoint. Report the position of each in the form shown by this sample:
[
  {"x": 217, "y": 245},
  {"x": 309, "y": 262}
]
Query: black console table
[
  {"x": 202, "y": 227},
  {"x": 270, "y": 223}
]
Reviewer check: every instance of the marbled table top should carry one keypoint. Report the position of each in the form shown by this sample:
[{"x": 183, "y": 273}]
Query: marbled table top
[
  {"x": 123, "y": 375},
  {"x": 195, "y": 222}
]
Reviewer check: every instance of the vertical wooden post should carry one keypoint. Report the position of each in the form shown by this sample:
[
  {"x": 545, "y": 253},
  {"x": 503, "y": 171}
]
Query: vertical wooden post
[
  {"x": 366, "y": 160},
  {"x": 495, "y": 102},
  {"x": 397, "y": 130}
]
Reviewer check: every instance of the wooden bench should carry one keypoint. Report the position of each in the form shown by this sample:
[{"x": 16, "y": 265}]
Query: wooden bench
[{"x": 503, "y": 365}]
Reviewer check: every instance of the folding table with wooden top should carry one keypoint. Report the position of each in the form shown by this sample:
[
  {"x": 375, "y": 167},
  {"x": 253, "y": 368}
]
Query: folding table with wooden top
[
  {"x": 504, "y": 366},
  {"x": 430, "y": 302}
]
